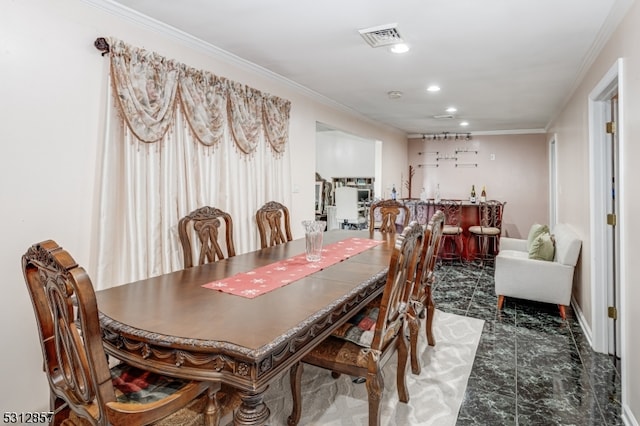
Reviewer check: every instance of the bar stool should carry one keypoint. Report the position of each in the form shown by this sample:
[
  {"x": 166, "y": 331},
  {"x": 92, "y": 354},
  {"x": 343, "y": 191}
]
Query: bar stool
[
  {"x": 488, "y": 229},
  {"x": 452, "y": 231}
]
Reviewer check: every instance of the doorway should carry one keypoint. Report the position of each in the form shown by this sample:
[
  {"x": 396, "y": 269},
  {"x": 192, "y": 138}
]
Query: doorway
[
  {"x": 346, "y": 159},
  {"x": 607, "y": 195}
]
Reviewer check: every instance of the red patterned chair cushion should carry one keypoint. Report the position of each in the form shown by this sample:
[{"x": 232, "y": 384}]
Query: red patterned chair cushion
[
  {"x": 136, "y": 386},
  {"x": 361, "y": 327}
]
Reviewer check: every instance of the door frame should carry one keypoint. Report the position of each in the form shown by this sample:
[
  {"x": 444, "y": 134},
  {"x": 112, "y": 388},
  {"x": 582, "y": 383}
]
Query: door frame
[
  {"x": 598, "y": 189},
  {"x": 553, "y": 181}
]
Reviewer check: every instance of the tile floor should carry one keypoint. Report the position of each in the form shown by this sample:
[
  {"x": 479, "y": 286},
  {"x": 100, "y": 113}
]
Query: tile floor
[{"x": 531, "y": 368}]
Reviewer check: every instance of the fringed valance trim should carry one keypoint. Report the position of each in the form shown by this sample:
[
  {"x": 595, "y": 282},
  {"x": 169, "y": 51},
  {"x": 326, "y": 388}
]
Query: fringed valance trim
[{"x": 148, "y": 88}]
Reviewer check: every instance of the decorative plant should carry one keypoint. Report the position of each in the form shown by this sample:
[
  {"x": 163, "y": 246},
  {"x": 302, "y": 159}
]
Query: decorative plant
[{"x": 407, "y": 183}]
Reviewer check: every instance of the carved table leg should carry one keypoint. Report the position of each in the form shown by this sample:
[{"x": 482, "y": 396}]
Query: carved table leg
[{"x": 252, "y": 411}]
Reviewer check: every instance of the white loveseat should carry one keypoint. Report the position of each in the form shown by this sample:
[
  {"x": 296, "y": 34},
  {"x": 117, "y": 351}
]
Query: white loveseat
[{"x": 516, "y": 275}]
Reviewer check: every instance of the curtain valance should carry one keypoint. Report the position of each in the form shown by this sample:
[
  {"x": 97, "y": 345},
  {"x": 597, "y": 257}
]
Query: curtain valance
[{"x": 149, "y": 87}]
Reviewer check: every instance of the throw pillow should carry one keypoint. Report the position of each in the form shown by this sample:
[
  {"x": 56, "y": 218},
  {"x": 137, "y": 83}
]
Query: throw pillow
[
  {"x": 543, "y": 247},
  {"x": 534, "y": 232}
]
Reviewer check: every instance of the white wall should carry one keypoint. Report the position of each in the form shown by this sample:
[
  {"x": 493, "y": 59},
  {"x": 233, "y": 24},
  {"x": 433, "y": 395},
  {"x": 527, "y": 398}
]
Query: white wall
[
  {"x": 340, "y": 154},
  {"x": 514, "y": 168},
  {"x": 52, "y": 101}
]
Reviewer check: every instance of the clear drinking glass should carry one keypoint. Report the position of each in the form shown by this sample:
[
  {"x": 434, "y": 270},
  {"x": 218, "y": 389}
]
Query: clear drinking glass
[{"x": 313, "y": 231}]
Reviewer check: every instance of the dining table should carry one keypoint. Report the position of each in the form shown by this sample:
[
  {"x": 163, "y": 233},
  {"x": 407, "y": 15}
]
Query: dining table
[{"x": 182, "y": 325}]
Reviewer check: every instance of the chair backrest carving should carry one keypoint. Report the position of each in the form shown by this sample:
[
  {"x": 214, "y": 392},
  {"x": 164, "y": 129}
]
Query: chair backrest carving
[
  {"x": 205, "y": 223},
  {"x": 490, "y": 213},
  {"x": 70, "y": 337},
  {"x": 399, "y": 285},
  {"x": 389, "y": 210},
  {"x": 274, "y": 224},
  {"x": 452, "y": 212}
]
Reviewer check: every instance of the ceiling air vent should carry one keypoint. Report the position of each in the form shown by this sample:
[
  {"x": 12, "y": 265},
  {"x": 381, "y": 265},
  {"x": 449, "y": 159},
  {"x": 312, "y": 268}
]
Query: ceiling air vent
[
  {"x": 444, "y": 116},
  {"x": 383, "y": 35}
]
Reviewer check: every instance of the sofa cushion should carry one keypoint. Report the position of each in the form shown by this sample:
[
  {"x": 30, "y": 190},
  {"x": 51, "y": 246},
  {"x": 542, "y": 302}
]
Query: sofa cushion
[
  {"x": 542, "y": 247},
  {"x": 535, "y": 230}
]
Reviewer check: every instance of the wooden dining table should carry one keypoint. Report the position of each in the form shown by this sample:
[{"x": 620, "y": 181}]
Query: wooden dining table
[{"x": 171, "y": 324}]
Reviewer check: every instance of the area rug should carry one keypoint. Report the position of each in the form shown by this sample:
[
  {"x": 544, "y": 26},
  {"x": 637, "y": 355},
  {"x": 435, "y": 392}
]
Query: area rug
[{"x": 435, "y": 395}]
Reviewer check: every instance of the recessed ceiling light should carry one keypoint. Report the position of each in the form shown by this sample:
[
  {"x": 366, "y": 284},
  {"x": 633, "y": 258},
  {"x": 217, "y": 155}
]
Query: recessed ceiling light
[
  {"x": 400, "y": 48},
  {"x": 433, "y": 88},
  {"x": 452, "y": 109},
  {"x": 464, "y": 123}
]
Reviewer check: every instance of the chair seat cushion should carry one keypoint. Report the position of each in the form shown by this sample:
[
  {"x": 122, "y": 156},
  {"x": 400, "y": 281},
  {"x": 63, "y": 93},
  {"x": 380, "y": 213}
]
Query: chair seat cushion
[
  {"x": 360, "y": 328},
  {"x": 451, "y": 230},
  {"x": 135, "y": 386},
  {"x": 336, "y": 350},
  {"x": 484, "y": 230},
  {"x": 191, "y": 415}
]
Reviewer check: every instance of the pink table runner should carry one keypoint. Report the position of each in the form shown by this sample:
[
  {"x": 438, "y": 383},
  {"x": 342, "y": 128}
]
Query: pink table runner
[{"x": 267, "y": 278}]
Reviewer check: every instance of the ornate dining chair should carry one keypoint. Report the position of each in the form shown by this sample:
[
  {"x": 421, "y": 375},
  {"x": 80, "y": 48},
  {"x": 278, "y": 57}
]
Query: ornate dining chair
[
  {"x": 83, "y": 389},
  {"x": 205, "y": 223},
  {"x": 274, "y": 224},
  {"x": 383, "y": 215},
  {"x": 361, "y": 348},
  {"x": 489, "y": 228},
  {"x": 421, "y": 303},
  {"x": 452, "y": 242}
]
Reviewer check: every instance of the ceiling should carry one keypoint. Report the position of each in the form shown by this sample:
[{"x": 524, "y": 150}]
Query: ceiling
[{"x": 506, "y": 65}]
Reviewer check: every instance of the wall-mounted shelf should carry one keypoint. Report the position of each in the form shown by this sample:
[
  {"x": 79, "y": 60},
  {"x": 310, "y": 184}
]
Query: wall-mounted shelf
[{"x": 436, "y": 158}]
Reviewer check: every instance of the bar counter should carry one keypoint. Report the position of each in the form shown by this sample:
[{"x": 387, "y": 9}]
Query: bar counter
[{"x": 422, "y": 210}]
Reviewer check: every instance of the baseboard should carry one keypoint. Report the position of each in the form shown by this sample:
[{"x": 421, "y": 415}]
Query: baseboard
[
  {"x": 584, "y": 325},
  {"x": 627, "y": 417}
]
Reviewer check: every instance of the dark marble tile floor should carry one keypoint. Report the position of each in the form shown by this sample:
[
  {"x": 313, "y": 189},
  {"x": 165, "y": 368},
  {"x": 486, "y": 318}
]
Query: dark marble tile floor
[{"x": 531, "y": 367}]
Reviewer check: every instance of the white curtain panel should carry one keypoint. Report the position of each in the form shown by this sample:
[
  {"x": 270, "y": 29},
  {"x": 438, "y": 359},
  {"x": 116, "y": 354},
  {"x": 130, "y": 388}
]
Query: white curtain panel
[{"x": 146, "y": 187}]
